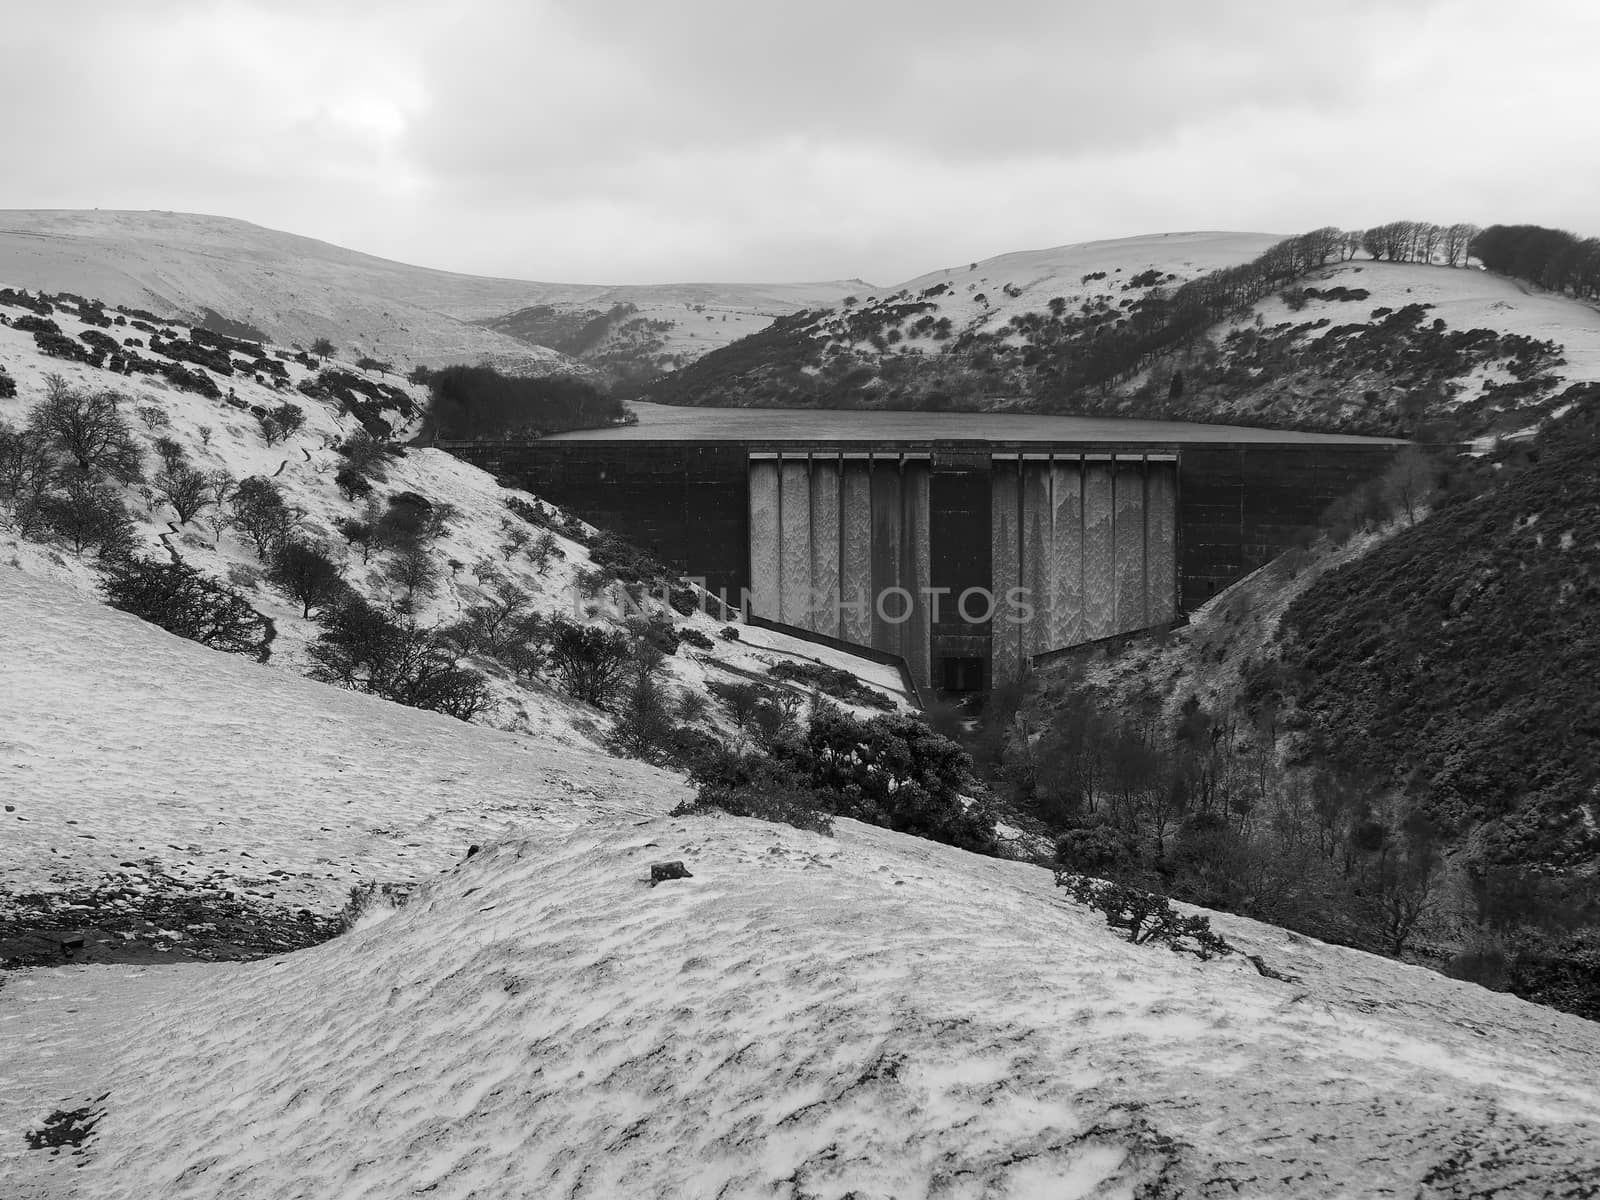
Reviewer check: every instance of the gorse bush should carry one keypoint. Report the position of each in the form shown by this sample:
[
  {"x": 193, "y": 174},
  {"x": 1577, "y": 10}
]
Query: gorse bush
[
  {"x": 893, "y": 771},
  {"x": 832, "y": 681},
  {"x": 754, "y": 785}
]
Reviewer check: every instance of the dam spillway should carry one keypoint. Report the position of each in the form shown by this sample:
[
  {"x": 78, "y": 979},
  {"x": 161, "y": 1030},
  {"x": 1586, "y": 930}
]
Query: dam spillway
[
  {"x": 1079, "y": 547},
  {"x": 963, "y": 543}
]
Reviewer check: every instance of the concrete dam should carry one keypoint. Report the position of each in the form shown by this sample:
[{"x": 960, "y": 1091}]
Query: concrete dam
[{"x": 964, "y": 543}]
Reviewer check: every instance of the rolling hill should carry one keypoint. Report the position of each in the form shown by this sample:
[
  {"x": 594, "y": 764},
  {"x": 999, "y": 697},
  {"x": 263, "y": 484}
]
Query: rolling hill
[{"x": 295, "y": 289}]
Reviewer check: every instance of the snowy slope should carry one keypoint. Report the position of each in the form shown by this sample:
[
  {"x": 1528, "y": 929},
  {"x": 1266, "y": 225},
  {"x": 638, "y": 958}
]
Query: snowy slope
[
  {"x": 1463, "y": 299},
  {"x": 297, "y": 289},
  {"x": 220, "y": 437},
  {"x": 1026, "y": 281},
  {"x": 865, "y": 1015}
]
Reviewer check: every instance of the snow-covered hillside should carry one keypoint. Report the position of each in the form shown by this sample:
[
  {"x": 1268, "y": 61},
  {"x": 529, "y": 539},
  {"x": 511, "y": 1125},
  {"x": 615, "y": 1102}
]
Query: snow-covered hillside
[
  {"x": 867, "y": 1014},
  {"x": 1463, "y": 300},
  {"x": 471, "y": 552},
  {"x": 985, "y": 295},
  {"x": 296, "y": 289}
]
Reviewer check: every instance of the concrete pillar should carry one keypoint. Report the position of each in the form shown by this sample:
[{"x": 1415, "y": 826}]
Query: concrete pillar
[
  {"x": 886, "y": 534},
  {"x": 794, "y": 556},
  {"x": 1129, "y": 548},
  {"x": 825, "y": 546},
  {"x": 855, "y": 552},
  {"x": 1037, "y": 555},
  {"x": 1004, "y": 512},
  {"x": 1161, "y": 541},
  {"x": 916, "y": 568},
  {"x": 1066, "y": 553},
  {"x": 1099, "y": 603},
  {"x": 765, "y": 538}
]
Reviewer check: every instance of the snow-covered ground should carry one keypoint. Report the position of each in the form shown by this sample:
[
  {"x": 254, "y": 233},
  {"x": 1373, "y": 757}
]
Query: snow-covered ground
[{"x": 866, "y": 1015}]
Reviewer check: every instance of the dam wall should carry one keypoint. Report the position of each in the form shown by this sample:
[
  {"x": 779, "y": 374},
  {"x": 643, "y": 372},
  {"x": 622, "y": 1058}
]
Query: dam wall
[{"x": 875, "y": 542}]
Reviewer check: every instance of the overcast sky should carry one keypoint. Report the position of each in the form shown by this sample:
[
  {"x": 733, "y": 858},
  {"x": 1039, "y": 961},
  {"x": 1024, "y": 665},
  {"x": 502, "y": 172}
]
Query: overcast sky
[{"x": 637, "y": 141}]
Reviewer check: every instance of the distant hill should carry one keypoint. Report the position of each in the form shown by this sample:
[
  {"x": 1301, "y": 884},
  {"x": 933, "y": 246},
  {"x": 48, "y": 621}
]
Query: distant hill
[
  {"x": 939, "y": 339},
  {"x": 1347, "y": 343},
  {"x": 290, "y": 289}
]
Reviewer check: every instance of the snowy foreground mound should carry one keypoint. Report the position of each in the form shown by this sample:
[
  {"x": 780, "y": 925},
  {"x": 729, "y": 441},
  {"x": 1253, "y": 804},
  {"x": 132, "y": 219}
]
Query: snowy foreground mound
[{"x": 864, "y": 1015}]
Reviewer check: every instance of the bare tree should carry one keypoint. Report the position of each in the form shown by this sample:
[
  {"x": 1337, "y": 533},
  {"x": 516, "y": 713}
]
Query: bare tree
[
  {"x": 415, "y": 570},
  {"x": 305, "y": 573},
  {"x": 1410, "y": 481},
  {"x": 1457, "y": 242},
  {"x": 1427, "y": 241},
  {"x": 186, "y": 489},
  {"x": 90, "y": 428}
]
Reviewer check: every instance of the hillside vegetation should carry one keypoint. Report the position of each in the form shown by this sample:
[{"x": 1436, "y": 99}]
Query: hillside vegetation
[
  {"x": 1387, "y": 739},
  {"x": 1458, "y": 660}
]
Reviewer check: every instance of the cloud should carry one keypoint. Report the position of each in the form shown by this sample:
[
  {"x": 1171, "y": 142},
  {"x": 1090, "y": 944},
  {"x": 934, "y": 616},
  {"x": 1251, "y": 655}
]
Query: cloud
[{"x": 630, "y": 141}]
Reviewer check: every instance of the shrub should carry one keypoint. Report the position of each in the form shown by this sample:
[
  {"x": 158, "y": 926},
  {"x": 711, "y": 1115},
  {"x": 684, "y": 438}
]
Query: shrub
[
  {"x": 754, "y": 786},
  {"x": 304, "y": 572},
  {"x": 87, "y": 514},
  {"x": 27, "y": 463},
  {"x": 644, "y": 721},
  {"x": 501, "y": 625},
  {"x": 416, "y": 570},
  {"x": 1097, "y": 850},
  {"x": 589, "y": 661},
  {"x": 178, "y": 598},
  {"x": 361, "y": 531},
  {"x": 893, "y": 771},
  {"x": 655, "y": 631},
  {"x": 691, "y": 704},
  {"x": 624, "y": 561},
  {"x": 832, "y": 681},
  {"x": 186, "y": 490},
  {"x": 728, "y": 633},
  {"x": 370, "y": 896},
  {"x": 1145, "y": 917},
  {"x": 369, "y": 651},
  {"x": 8, "y": 385},
  {"x": 407, "y": 522},
  {"x": 281, "y": 422},
  {"x": 351, "y": 482},
  {"x": 257, "y": 509},
  {"x": 696, "y": 639},
  {"x": 366, "y": 455},
  {"x": 545, "y": 549}
]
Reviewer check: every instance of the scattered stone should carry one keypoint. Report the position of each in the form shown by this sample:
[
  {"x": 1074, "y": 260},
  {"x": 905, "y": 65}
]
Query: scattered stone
[{"x": 662, "y": 871}]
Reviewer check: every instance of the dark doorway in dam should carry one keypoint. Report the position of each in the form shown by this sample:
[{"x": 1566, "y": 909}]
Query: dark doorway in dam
[{"x": 963, "y": 674}]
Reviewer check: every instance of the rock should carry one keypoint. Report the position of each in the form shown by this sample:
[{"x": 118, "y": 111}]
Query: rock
[{"x": 662, "y": 871}]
